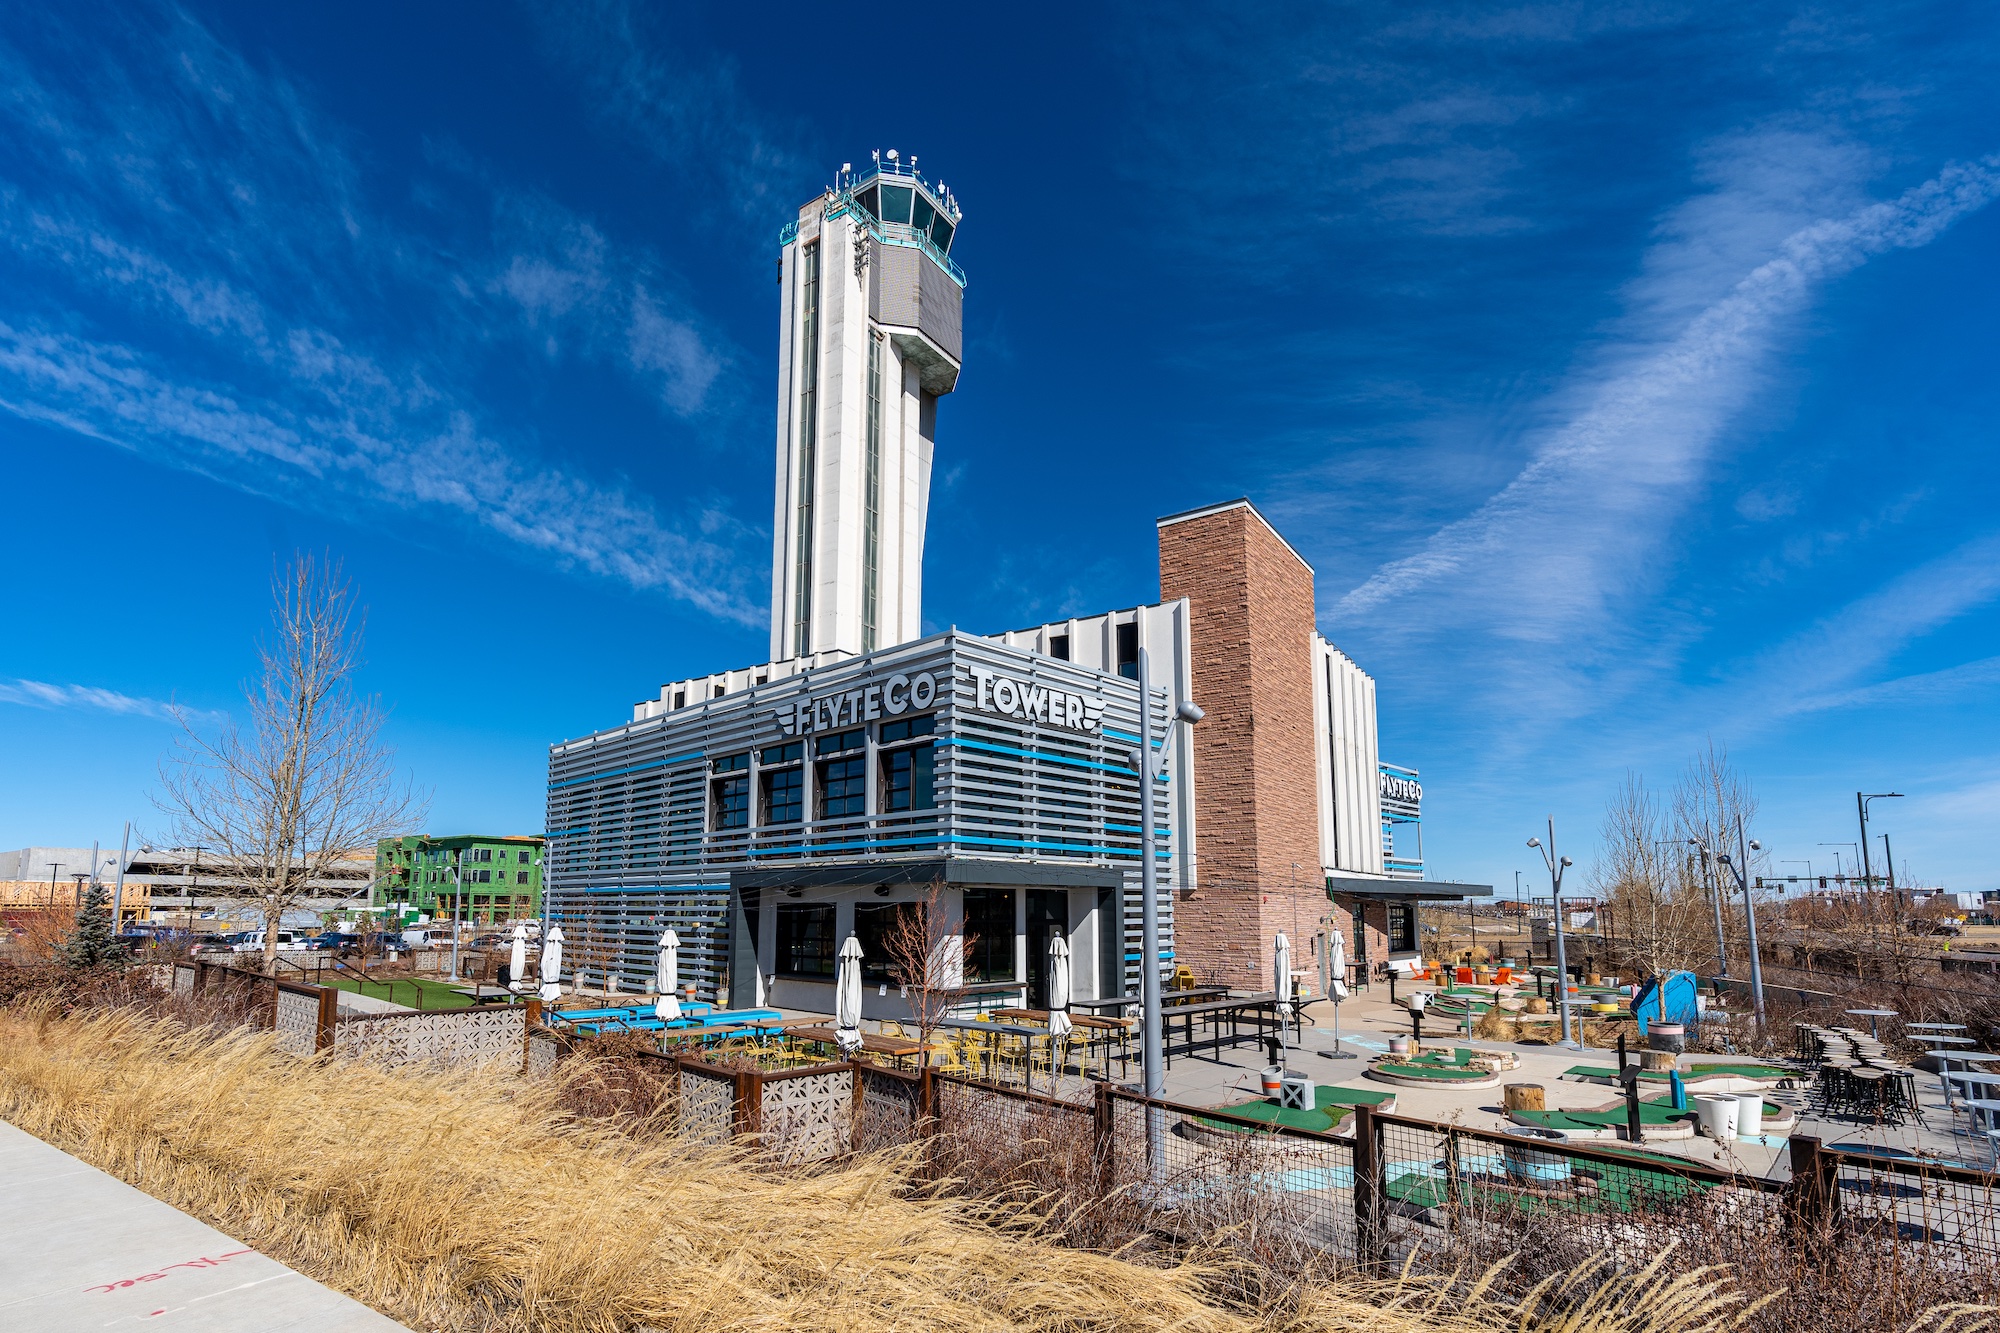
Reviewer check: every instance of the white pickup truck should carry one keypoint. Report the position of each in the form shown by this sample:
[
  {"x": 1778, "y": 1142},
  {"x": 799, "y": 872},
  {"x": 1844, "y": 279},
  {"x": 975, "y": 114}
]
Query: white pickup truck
[{"x": 289, "y": 941}]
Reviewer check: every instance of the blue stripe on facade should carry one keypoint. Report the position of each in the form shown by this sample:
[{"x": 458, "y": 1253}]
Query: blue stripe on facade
[
  {"x": 621, "y": 772},
  {"x": 1036, "y": 754}
]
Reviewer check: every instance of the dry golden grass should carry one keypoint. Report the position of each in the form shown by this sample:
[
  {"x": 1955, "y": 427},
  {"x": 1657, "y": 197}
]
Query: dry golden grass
[{"x": 461, "y": 1201}]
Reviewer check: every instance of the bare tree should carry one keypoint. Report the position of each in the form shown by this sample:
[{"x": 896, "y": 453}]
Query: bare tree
[
  {"x": 307, "y": 781},
  {"x": 1644, "y": 872},
  {"x": 926, "y": 958},
  {"x": 1709, "y": 799}
]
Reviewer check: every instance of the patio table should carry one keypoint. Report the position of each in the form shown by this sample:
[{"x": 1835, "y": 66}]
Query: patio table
[
  {"x": 1872, "y": 1015},
  {"x": 1935, "y": 1027},
  {"x": 898, "y": 1049}
]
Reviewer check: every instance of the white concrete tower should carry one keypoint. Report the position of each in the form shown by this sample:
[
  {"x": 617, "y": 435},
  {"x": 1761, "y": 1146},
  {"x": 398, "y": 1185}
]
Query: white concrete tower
[{"x": 869, "y": 338}]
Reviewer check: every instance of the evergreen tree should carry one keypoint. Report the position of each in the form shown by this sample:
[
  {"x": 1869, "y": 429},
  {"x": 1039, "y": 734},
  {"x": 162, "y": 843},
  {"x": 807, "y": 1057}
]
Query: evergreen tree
[{"x": 94, "y": 940}]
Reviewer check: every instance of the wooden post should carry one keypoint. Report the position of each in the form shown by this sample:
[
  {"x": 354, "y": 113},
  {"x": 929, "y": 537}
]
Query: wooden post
[
  {"x": 749, "y": 1102},
  {"x": 1634, "y": 1126},
  {"x": 1524, "y": 1097},
  {"x": 329, "y": 1015},
  {"x": 1812, "y": 1200},
  {"x": 927, "y": 1102},
  {"x": 1102, "y": 1119},
  {"x": 1367, "y": 1189},
  {"x": 854, "y": 1106}
]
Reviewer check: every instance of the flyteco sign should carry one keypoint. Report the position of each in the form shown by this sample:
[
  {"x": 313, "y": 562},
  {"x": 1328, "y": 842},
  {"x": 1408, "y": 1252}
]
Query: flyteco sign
[{"x": 863, "y": 703}]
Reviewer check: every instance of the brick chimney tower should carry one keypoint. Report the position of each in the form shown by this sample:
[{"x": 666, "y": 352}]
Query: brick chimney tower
[{"x": 1251, "y": 626}]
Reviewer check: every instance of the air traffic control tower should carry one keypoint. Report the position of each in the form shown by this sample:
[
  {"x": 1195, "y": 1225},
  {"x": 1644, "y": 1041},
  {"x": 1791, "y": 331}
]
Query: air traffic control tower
[{"x": 869, "y": 338}]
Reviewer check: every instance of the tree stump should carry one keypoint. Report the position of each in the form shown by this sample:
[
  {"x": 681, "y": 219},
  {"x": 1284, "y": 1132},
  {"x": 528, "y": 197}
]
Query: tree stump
[
  {"x": 1657, "y": 1062},
  {"x": 1525, "y": 1097}
]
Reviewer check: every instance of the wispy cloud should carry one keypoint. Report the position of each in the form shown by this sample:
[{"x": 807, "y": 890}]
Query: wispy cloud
[
  {"x": 199, "y": 275},
  {"x": 1566, "y": 536},
  {"x": 41, "y": 694},
  {"x": 682, "y": 107}
]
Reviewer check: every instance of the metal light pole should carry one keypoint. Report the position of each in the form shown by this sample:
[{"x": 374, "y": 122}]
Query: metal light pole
[
  {"x": 1714, "y": 901},
  {"x": 457, "y": 897},
  {"x": 1556, "y": 867},
  {"x": 118, "y": 889},
  {"x": 1750, "y": 912},
  {"x": 1152, "y": 1061}
]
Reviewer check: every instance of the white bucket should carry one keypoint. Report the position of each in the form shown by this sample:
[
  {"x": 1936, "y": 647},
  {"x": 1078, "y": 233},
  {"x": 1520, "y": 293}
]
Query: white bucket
[
  {"x": 1749, "y": 1115},
  {"x": 1716, "y": 1113},
  {"x": 1274, "y": 1078}
]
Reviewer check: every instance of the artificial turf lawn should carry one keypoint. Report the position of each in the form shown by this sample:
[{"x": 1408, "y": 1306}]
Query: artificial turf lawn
[
  {"x": 432, "y": 994},
  {"x": 1330, "y": 1107},
  {"x": 1619, "y": 1190}
]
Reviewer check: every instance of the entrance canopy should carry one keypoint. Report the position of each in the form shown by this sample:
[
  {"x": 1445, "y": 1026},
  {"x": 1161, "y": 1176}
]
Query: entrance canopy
[{"x": 1404, "y": 890}]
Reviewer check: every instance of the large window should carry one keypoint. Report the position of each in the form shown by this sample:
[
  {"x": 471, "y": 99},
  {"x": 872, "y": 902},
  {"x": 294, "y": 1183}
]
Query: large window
[
  {"x": 871, "y": 501},
  {"x": 909, "y": 778},
  {"x": 989, "y": 926},
  {"x": 730, "y": 798},
  {"x": 843, "y": 787},
  {"x": 872, "y": 924},
  {"x": 805, "y": 939},
  {"x": 784, "y": 784},
  {"x": 1128, "y": 651}
]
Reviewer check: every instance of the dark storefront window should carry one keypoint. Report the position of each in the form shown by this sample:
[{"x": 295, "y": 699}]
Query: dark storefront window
[
  {"x": 872, "y": 924},
  {"x": 1402, "y": 928},
  {"x": 989, "y": 926},
  {"x": 805, "y": 939},
  {"x": 1110, "y": 943}
]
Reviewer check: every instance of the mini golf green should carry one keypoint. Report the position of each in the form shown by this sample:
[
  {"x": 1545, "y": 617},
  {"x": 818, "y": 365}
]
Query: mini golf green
[
  {"x": 1436, "y": 1068},
  {"x": 1706, "y": 1069},
  {"x": 1619, "y": 1190},
  {"x": 1331, "y": 1106},
  {"x": 1658, "y": 1111}
]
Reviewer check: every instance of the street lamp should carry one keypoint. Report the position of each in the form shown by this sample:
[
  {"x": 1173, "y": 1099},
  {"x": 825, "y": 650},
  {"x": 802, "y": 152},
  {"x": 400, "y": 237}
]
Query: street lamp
[
  {"x": 1861, "y": 800},
  {"x": 1750, "y": 913},
  {"x": 1152, "y": 1053},
  {"x": 1556, "y": 867}
]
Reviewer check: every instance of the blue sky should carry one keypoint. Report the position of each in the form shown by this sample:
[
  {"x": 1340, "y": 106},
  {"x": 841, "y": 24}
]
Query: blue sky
[{"x": 1626, "y": 371}]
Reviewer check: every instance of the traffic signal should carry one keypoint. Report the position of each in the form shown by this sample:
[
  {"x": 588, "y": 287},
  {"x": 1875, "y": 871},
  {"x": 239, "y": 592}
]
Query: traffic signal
[{"x": 1822, "y": 881}]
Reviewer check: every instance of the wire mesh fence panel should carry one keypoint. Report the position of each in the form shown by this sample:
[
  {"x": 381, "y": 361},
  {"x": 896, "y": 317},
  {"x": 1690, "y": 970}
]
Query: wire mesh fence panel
[
  {"x": 1276, "y": 1196},
  {"x": 890, "y": 1106},
  {"x": 1937, "y": 1231},
  {"x": 1456, "y": 1197}
]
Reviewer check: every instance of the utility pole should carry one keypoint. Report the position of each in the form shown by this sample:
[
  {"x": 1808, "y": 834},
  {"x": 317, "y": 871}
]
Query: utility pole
[{"x": 1742, "y": 874}]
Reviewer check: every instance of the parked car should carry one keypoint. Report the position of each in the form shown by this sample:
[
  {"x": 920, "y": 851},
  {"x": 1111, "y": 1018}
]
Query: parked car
[
  {"x": 211, "y": 945},
  {"x": 252, "y": 941}
]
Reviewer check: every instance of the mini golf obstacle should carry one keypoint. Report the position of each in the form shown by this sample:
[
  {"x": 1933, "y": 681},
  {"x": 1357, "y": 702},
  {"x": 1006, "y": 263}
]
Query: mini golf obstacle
[{"x": 1460, "y": 1068}]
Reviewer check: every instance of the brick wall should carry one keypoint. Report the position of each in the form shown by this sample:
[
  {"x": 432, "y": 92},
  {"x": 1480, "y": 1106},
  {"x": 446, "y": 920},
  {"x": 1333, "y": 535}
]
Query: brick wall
[{"x": 1251, "y": 611}]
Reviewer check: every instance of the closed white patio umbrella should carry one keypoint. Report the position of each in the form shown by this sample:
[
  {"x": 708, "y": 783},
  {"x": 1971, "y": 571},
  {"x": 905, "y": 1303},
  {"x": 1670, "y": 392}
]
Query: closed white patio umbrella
[
  {"x": 552, "y": 965},
  {"x": 1281, "y": 977},
  {"x": 847, "y": 998},
  {"x": 668, "y": 979},
  {"x": 1336, "y": 986},
  {"x": 517, "y": 960},
  {"x": 1059, "y": 1024}
]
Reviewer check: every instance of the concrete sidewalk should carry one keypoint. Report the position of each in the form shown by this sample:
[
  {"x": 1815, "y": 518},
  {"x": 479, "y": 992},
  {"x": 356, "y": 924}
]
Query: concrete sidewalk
[{"x": 80, "y": 1249}]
